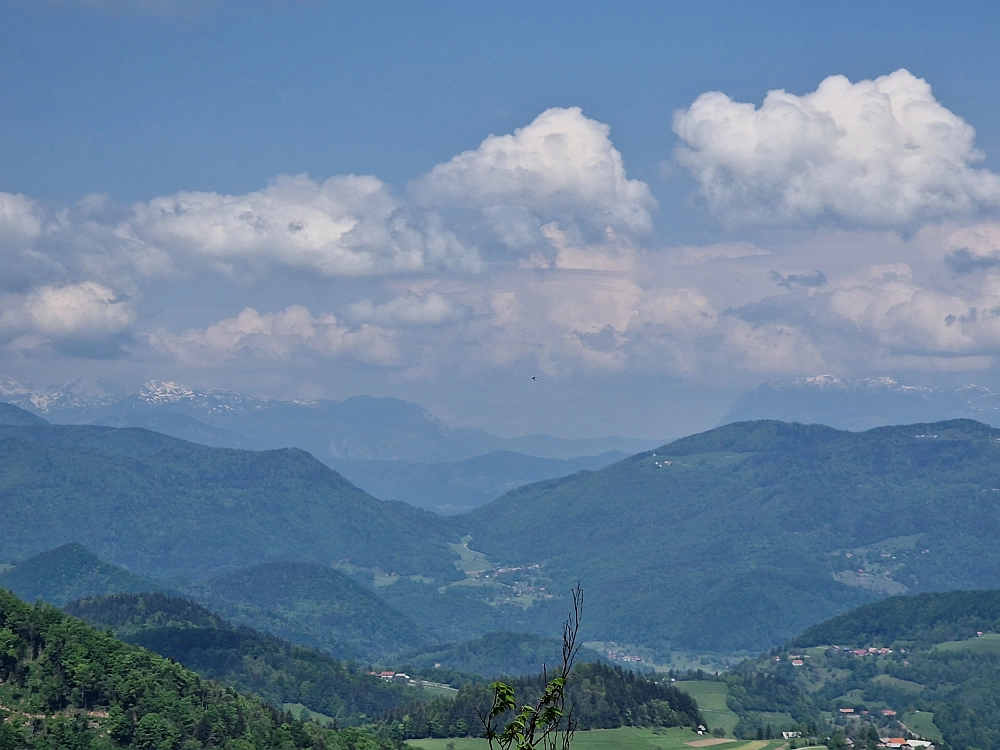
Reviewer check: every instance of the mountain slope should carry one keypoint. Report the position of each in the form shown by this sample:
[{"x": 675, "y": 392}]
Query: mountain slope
[
  {"x": 358, "y": 428},
  {"x": 63, "y": 684},
  {"x": 244, "y": 659},
  {"x": 315, "y": 606},
  {"x": 460, "y": 486},
  {"x": 767, "y": 519},
  {"x": 13, "y": 415},
  {"x": 70, "y": 572},
  {"x": 926, "y": 618},
  {"x": 180, "y": 426},
  {"x": 166, "y": 507}
]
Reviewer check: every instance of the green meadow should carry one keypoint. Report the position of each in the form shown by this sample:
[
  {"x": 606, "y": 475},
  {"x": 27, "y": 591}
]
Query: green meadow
[
  {"x": 922, "y": 723},
  {"x": 985, "y": 644},
  {"x": 711, "y": 697},
  {"x": 626, "y": 738}
]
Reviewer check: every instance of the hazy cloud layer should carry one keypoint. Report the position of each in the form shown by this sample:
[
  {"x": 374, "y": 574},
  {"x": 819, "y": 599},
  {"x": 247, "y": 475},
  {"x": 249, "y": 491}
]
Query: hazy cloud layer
[
  {"x": 532, "y": 254},
  {"x": 275, "y": 336}
]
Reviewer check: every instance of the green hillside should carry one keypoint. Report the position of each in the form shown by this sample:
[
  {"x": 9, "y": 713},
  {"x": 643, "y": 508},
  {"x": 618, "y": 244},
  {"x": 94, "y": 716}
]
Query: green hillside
[
  {"x": 496, "y": 654},
  {"x": 927, "y": 664},
  {"x": 165, "y": 507},
  {"x": 312, "y": 605},
  {"x": 70, "y": 572},
  {"x": 65, "y": 685},
  {"x": 740, "y": 537},
  {"x": 249, "y": 661},
  {"x": 600, "y": 697},
  {"x": 923, "y": 619}
]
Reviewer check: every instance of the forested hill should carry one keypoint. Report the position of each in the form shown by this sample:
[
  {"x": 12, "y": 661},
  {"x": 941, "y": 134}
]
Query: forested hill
[
  {"x": 927, "y": 664},
  {"x": 70, "y": 572},
  {"x": 315, "y": 606},
  {"x": 165, "y": 507},
  {"x": 923, "y": 619},
  {"x": 247, "y": 660},
  {"x": 311, "y": 604},
  {"x": 64, "y": 684},
  {"x": 599, "y": 696},
  {"x": 742, "y": 536}
]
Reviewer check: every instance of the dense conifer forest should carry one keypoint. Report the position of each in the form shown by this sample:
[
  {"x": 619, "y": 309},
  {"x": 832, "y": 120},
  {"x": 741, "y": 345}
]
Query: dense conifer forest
[{"x": 67, "y": 686}]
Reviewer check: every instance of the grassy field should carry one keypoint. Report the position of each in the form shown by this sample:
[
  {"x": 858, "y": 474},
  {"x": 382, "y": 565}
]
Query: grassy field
[
  {"x": 469, "y": 560},
  {"x": 627, "y": 738},
  {"x": 922, "y": 723},
  {"x": 987, "y": 644},
  {"x": 711, "y": 697},
  {"x": 297, "y": 709},
  {"x": 894, "y": 682},
  {"x": 437, "y": 689}
]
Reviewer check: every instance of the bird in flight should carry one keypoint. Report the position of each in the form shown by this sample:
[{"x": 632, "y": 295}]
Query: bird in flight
[{"x": 534, "y": 377}]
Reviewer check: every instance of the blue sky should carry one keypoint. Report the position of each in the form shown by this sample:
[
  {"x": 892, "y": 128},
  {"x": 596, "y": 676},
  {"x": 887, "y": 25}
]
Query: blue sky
[{"x": 137, "y": 139}]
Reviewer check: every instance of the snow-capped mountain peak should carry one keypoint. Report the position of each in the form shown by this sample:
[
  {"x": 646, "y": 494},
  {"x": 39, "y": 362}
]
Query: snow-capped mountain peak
[
  {"x": 160, "y": 392},
  {"x": 214, "y": 401},
  {"x": 74, "y": 396}
]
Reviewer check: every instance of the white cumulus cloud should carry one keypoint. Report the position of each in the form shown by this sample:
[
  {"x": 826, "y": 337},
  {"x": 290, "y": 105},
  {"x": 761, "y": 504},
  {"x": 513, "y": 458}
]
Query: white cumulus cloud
[
  {"x": 908, "y": 318},
  {"x": 85, "y": 319},
  {"x": 882, "y": 153},
  {"x": 560, "y": 168},
  {"x": 344, "y": 226}
]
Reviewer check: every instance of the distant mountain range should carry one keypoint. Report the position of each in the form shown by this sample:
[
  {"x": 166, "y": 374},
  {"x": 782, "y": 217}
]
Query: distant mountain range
[
  {"x": 358, "y": 428},
  {"x": 779, "y": 525},
  {"x": 165, "y": 507},
  {"x": 785, "y": 524},
  {"x": 391, "y": 448},
  {"x": 863, "y": 403}
]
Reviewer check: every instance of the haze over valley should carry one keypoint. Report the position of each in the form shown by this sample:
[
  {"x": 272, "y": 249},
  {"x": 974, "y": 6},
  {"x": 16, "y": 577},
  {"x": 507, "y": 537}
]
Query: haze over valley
[{"x": 499, "y": 376}]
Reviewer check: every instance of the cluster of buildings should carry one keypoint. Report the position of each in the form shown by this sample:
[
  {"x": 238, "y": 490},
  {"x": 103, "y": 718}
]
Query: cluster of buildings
[
  {"x": 870, "y": 651},
  {"x": 622, "y": 656},
  {"x": 390, "y": 676},
  {"x": 886, "y": 713},
  {"x": 901, "y": 743}
]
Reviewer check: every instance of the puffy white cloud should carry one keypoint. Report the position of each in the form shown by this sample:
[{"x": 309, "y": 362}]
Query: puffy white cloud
[
  {"x": 344, "y": 226},
  {"x": 561, "y": 168},
  {"x": 276, "y": 336},
  {"x": 974, "y": 248},
  {"x": 431, "y": 309},
  {"x": 85, "y": 319},
  {"x": 882, "y": 153},
  {"x": 20, "y": 219},
  {"x": 914, "y": 320}
]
